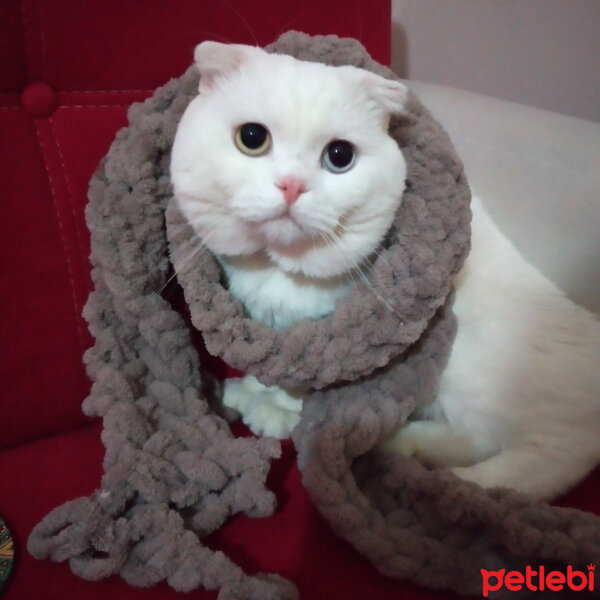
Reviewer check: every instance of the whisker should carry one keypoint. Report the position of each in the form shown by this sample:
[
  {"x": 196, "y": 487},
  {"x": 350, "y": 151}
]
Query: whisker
[
  {"x": 202, "y": 246},
  {"x": 198, "y": 35},
  {"x": 359, "y": 270},
  {"x": 359, "y": 22},
  {"x": 285, "y": 27},
  {"x": 330, "y": 242},
  {"x": 376, "y": 255},
  {"x": 213, "y": 35},
  {"x": 177, "y": 271},
  {"x": 241, "y": 18}
]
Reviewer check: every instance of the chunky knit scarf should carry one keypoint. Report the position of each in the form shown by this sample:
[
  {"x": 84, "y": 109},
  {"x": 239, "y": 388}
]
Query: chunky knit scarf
[{"x": 173, "y": 470}]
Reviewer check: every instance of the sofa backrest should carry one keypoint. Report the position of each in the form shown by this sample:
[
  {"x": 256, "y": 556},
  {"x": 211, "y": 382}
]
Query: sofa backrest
[{"x": 70, "y": 71}]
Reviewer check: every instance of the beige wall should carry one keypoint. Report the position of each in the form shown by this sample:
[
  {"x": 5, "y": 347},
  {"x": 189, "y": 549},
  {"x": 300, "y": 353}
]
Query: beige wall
[{"x": 544, "y": 53}]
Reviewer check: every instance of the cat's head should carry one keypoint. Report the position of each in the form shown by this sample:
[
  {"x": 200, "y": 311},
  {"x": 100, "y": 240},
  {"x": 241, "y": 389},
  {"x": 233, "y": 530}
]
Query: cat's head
[{"x": 288, "y": 157}]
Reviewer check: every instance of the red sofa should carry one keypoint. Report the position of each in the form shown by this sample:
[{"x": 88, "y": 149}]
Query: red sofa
[{"x": 70, "y": 71}]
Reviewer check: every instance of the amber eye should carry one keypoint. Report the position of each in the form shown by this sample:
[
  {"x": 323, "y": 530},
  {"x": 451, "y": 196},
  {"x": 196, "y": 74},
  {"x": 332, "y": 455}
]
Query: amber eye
[{"x": 252, "y": 139}]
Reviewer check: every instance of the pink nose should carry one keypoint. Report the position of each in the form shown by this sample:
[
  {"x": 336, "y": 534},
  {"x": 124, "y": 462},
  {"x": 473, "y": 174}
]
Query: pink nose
[{"x": 291, "y": 187}]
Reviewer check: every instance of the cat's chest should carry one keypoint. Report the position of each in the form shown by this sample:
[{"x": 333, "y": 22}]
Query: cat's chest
[{"x": 279, "y": 299}]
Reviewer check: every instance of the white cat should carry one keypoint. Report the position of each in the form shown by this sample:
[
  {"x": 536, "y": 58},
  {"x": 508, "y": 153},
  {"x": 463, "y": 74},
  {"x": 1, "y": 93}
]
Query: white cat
[
  {"x": 285, "y": 170},
  {"x": 519, "y": 401}
]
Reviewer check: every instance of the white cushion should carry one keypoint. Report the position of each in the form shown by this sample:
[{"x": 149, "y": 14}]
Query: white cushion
[{"x": 538, "y": 173}]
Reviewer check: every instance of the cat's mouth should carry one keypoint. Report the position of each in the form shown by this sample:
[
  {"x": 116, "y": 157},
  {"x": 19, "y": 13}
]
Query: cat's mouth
[
  {"x": 291, "y": 233},
  {"x": 285, "y": 231}
]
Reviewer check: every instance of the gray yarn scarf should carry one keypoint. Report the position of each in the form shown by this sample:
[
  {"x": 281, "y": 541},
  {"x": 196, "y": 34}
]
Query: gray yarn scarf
[{"x": 174, "y": 472}]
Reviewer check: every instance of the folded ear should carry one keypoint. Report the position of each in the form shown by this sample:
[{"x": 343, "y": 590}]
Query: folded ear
[
  {"x": 214, "y": 59},
  {"x": 390, "y": 93}
]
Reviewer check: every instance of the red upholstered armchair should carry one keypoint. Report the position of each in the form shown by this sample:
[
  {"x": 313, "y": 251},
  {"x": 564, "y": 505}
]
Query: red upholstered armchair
[{"x": 69, "y": 71}]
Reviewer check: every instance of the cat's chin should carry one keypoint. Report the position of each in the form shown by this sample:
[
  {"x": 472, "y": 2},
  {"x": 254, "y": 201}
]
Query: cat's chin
[
  {"x": 293, "y": 259},
  {"x": 310, "y": 262},
  {"x": 284, "y": 234}
]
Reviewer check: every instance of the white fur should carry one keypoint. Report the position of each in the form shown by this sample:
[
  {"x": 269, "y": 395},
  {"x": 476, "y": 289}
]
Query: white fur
[
  {"x": 267, "y": 410},
  {"x": 232, "y": 200},
  {"x": 518, "y": 404},
  {"x": 278, "y": 298},
  {"x": 286, "y": 262}
]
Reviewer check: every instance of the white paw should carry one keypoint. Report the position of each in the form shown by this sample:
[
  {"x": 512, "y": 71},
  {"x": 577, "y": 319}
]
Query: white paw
[
  {"x": 421, "y": 440},
  {"x": 407, "y": 441},
  {"x": 267, "y": 411}
]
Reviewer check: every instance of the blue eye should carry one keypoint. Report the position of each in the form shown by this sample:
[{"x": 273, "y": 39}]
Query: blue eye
[{"x": 339, "y": 156}]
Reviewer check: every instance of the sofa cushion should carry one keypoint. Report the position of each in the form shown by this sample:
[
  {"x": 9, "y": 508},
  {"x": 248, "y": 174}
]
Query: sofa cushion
[{"x": 538, "y": 174}]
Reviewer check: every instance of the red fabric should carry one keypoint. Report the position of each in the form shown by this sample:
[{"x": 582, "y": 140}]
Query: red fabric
[
  {"x": 68, "y": 74},
  {"x": 73, "y": 68},
  {"x": 295, "y": 542}
]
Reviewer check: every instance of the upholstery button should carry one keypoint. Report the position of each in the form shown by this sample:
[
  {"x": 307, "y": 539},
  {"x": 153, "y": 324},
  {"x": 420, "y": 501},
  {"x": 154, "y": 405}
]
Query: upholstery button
[{"x": 39, "y": 99}]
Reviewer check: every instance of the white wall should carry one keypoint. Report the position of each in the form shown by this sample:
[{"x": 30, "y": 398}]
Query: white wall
[{"x": 544, "y": 53}]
